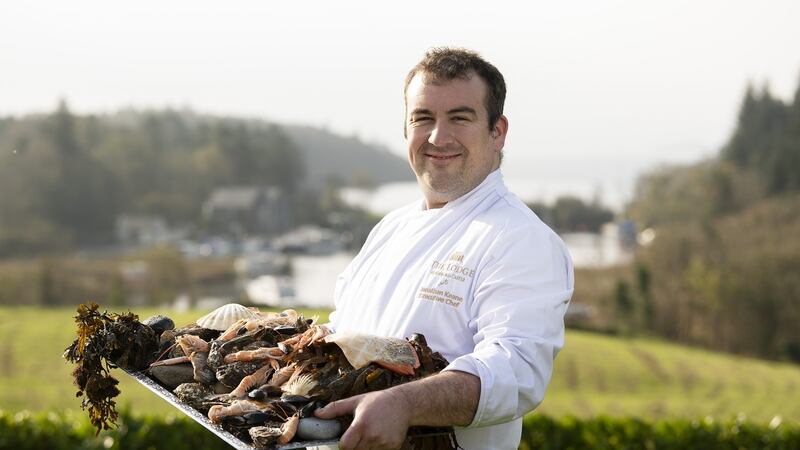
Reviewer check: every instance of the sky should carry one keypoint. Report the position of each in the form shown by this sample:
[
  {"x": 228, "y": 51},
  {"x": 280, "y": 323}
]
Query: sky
[{"x": 598, "y": 91}]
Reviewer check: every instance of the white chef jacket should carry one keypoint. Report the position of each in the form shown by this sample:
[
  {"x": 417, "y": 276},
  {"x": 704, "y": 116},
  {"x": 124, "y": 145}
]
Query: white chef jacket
[{"x": 485, "y": 281}]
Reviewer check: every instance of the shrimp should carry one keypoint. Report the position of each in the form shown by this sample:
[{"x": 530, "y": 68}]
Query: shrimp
[
  {"x": 282, "y": 376},
  {"x": 193, "y": 347},
  {"x": 254, "y": 380},
  {"x": 237, "y": 408},
  {"x": 190, "y": 343},
  {"x": 232, "y": 330},
  {"x": 288, "y": 430},
  {"x": 313, "y": 334},
  {"x": 170, "y": 361},
  {"x": 250, "y": 355}
]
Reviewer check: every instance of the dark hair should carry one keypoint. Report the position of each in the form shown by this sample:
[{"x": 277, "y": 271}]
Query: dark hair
[{"x": 447, "y": 63}]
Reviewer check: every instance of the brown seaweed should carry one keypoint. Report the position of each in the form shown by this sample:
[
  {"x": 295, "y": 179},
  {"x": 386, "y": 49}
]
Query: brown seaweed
[{"x": 106, "y": 340}]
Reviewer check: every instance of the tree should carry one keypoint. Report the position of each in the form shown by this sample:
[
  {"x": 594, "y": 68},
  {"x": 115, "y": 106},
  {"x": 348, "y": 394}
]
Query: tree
[
  {"x": 80, "y": 197},
  {"x": 570, "y": 213},
  {"x": 767, "y": 139}
]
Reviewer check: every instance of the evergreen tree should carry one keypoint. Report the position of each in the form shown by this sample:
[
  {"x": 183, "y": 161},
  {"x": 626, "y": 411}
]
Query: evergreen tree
[{"x": 764, "y": 140}]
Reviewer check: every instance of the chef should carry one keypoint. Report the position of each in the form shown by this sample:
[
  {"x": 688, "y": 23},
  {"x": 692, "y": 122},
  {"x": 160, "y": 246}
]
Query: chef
[{"x": 469, "y": 266}]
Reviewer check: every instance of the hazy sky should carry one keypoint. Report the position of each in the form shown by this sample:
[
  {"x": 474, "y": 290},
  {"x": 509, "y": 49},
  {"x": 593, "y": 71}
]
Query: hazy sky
[{"x": 597, "y": 90}]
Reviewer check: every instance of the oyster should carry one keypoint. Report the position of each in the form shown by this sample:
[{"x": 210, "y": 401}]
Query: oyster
[
  {"x": 195, "y": 395},
  {"x": 231, "y": 374},
  {"x": 225, "y": 316},
  {"x": 265, "y": 436}
]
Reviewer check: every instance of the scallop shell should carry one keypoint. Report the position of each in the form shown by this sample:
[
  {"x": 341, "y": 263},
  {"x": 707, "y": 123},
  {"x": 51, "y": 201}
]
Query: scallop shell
[
  {"x": 225, "y": 316},
  {"x": 300, "y": 386}
]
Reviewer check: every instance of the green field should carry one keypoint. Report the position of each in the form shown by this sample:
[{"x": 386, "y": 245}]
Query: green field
[{"x": 595, "y": 375}]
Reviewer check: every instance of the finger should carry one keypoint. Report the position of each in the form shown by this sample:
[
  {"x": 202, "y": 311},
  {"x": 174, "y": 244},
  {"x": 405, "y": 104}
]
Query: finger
[
  {"x": 336, "y": 409},
  {"x": 350, "y": 439}
]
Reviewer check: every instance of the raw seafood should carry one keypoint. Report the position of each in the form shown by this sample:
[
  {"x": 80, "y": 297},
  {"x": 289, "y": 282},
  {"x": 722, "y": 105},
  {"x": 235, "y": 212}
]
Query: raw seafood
[{"x": 273, "y": 370}]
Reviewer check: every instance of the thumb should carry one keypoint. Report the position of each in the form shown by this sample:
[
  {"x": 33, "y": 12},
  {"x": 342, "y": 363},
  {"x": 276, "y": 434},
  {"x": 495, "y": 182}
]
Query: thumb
[{"x": 337, "y": 408}]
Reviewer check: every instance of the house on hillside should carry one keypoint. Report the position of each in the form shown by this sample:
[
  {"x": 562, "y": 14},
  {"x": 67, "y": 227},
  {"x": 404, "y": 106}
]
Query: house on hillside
[
  {"x": 248, "y": 210},
  {"x": 142, "y": 230}
]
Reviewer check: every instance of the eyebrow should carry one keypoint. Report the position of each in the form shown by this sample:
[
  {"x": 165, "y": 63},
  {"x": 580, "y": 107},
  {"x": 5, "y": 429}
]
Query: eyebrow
[
  {"x": 463, "y": 109},
  {"x": 422, "y": 111},
  {"x": 458, "y": 110}
]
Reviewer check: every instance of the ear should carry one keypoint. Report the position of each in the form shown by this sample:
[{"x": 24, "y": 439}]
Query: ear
[{"x": 499, "y": 133}]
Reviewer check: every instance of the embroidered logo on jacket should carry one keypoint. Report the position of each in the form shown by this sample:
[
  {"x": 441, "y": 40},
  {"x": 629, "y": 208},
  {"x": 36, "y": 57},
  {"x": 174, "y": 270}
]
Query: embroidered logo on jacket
[
  {"x": 456, "y": 256},
  {"x": 452, "y": 268},
  {"x": 452, "y": 271}
]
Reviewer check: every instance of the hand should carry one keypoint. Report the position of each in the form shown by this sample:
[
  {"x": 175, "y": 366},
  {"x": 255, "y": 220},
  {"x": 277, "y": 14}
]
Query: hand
[{"x": 380, "y": 420}]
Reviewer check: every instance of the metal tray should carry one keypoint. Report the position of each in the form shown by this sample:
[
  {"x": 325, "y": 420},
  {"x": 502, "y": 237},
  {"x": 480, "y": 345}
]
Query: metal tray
[{"x": 198, "y": 417}]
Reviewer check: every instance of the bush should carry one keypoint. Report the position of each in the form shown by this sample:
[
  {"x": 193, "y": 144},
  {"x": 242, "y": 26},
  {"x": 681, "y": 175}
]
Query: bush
[
  {"x": 604, "y": 433},
  {"x": 71, "y": 430}
]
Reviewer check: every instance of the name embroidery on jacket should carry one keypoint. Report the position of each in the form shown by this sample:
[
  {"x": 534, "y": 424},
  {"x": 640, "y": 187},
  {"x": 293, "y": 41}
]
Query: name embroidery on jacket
[{"x": 452, "y": 270}]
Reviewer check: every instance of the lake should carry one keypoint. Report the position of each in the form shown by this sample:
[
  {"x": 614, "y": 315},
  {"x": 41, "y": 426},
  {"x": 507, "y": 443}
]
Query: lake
[
  {"x": 389, "y": 196},
  {"x": 315, "y": 276}
]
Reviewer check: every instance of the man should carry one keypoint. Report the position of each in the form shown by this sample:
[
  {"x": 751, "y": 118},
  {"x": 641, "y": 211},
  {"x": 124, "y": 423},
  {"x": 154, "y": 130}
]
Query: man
[{"x": 470, "y": 267}]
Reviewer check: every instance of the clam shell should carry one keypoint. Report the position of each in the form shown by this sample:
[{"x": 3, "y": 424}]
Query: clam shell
[{"x": 225, "y": 316}]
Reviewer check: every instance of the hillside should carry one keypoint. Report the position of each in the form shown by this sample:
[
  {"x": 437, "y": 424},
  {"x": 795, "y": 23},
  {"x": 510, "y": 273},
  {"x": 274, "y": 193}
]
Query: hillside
[
  {"x": 80, "y": 173},
  {"x": 651, "y": 379},
  {"x": 594, "y": 375},
  {"x": 719, "y": 268},
  {"x": 346, "y": 158}
]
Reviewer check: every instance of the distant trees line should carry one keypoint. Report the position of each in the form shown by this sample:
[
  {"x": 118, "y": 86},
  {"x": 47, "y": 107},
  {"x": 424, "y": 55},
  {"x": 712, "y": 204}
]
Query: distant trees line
[
  {"x": 65, "y": 178},
  {"x": 570, "y": 214},
  {"x": 723, "y": 268}
]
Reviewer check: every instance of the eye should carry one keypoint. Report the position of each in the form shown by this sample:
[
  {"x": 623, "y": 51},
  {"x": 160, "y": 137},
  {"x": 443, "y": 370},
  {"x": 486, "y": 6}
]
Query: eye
[
  {"x": 460, "y": 119},
  {"x": 420, "y": 119}
]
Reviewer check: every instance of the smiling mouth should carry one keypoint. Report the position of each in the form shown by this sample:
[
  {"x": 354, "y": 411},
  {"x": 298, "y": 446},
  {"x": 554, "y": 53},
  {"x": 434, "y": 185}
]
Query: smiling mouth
[{"x": 442, "y": 157}]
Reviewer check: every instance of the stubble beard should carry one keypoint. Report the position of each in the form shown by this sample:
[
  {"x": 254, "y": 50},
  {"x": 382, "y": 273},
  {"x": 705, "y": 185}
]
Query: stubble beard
[{"x": 442, "y": 186}]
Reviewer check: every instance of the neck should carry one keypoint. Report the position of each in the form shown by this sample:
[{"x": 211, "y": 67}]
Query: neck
[{"x": 431, "y": 204}]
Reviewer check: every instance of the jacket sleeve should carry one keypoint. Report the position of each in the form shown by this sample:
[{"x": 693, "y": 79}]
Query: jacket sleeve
[{"x": 520, "y": 297}]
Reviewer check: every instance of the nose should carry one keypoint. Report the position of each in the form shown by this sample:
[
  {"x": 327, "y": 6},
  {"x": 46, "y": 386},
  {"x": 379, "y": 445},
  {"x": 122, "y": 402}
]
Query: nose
[{"x": 441, "y": 135}]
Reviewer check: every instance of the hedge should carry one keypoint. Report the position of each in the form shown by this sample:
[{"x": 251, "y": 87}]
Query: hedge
[
  {"x": 71, "y": 430},
  {"x": 605, "y": 433}
]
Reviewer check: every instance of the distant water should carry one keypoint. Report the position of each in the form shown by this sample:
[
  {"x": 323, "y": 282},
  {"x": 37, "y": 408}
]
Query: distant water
[
  {"x": 315, "y": 276},
  {"x": 389, "y": 196},
  {"x": 596, "y": 249}
]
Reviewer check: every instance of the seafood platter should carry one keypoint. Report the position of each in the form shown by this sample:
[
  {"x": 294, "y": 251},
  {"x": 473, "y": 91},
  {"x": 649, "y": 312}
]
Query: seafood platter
[{"x": 252, "y": 378}]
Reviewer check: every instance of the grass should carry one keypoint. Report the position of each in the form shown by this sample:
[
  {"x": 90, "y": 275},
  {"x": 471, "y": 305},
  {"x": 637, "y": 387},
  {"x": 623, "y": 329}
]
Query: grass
[
  {"x": 594, "y": 375},
  {"x": 602, "y": 375}
]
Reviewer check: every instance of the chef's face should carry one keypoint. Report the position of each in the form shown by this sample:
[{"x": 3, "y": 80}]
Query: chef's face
[{"x": 451, "y": 147}]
